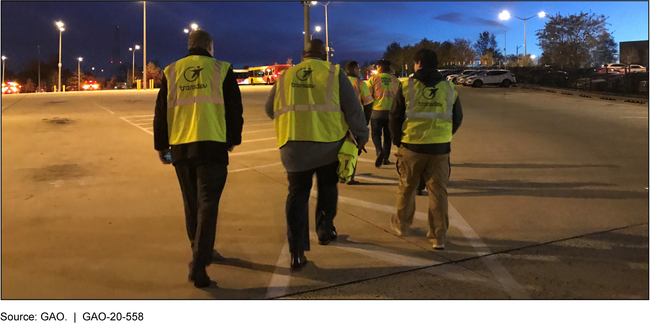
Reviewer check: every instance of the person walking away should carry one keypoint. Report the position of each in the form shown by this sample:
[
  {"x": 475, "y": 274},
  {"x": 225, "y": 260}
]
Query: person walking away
[
  {"x": 199, "y": 114},
  {"x": 312, "y": 106},
  {"x": 382, "y": 88},
  {"x": 365, "y": 98},
  {"x": 424, "y": 116}
]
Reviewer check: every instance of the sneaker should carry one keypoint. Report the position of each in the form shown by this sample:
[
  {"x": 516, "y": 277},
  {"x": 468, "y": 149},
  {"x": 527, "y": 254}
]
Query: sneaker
[
  {"x": 438, "y": 246},
  {"x": 398, "y": 231}
]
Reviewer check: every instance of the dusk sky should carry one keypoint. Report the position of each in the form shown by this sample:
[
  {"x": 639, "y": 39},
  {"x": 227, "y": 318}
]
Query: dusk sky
[{"x": 256, "y": 33}]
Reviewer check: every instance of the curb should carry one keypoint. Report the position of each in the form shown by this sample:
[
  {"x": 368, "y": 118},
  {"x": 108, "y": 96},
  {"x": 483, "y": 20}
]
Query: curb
[{"x": 607, "y": 98}]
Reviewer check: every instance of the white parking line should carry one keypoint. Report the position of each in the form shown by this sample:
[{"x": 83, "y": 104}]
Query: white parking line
[
  {"x": 509, "y": 284},
  {"x": 633, "y": 117},
  {"x": 255, "y": 167},
  {"x": 105, "y": 108},
  {"x": 252, "y": 131},
  {"x": 259, "y": 139},
  {"x": 133, "y": 124},
  {"x": 253, "y": 152},
  {"x": 137, "y": 116}
]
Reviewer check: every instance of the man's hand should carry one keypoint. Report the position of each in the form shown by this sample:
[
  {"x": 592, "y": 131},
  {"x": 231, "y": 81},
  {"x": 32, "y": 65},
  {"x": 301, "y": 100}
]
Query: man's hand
[
  {"x": 161, "y": 156},
  {"x": 362, "y": 147}
]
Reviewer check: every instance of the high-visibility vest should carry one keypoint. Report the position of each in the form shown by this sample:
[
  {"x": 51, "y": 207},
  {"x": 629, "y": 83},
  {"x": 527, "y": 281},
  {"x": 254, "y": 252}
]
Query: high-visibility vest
[
  {"x": 383, "y": 87},
  {"x": 306, "y": 106},
  {"x": 195, "y": 105},
  {"x": 362, "y": 91},
  {"x": 428, "y": 112}
]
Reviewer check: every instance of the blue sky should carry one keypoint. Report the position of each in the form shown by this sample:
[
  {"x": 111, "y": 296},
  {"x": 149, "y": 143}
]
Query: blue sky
[{"x": 256, "y": 33}]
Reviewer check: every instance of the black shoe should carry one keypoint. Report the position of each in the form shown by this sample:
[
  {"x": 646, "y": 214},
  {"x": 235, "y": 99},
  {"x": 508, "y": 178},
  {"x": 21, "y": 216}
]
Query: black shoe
[
  {"x": 354, "y": 182},
  {"x": 298, "y": 261},
  {"x": 379, "y": 160},
  {"x": 420, "y": 193},
  {"x": 199, "y": 277},
  {"x": 387, "y": 162},
  {"x": 327, "y": 241}
]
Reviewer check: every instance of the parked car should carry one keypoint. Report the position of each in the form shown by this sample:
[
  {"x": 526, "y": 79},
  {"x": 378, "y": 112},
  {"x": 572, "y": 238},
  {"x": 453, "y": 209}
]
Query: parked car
[
  {"x": 447, "y": 72},
  {"x": 498, "y": 77},
  {"x": 460, "y": 80},
  {"x": 601, "y": 82},
  {"x": 11, "y": 88},
  {"x": 622, "y": 68},
  {"x": 454, "y": 77},
  {"x": 554, "y": 78}
]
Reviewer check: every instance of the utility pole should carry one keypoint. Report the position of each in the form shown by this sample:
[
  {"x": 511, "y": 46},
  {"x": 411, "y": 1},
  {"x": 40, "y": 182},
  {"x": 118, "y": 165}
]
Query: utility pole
[
  {"x": 144, "y": 47},
  {"x": 305, "y": 4}
]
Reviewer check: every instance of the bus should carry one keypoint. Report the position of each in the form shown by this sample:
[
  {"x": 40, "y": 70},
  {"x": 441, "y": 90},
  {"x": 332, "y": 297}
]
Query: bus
[
  {"x": 265, "y": 74},
  {"x": 241, "y": 75}
]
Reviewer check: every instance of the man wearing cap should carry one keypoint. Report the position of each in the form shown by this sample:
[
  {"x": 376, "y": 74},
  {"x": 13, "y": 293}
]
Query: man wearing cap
[
  {"x": 382, "y": 87},
  {"x": 424, "y": 116},
  {"x": 365, "y": 98},
  {"x": 199, "y": 114},
  {"x": 313, "y": 105}
]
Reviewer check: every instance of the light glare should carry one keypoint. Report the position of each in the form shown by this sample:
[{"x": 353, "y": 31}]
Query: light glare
[{"x": 504, "y": 15}]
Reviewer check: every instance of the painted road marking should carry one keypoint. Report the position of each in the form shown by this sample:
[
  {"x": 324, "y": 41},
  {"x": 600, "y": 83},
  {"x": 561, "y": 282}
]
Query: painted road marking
[
  {"x": 252, "y": 131},
  {"x": 253, "y": 152},
  {"x": 633, "y": 117},
  {"x": 259, "y": 139},
  {"x": 133, "y": 124},
  {"x": 255, "y": 167},
  {"x": 105, "y": 108}
]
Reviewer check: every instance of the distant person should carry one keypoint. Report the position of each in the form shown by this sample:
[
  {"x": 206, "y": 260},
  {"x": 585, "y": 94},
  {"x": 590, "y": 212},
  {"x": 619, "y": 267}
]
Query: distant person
[
  {"x": 365, "y": 98},
  {"x": 199, "y": 113},
  {"x": 425, "y": 114},
  {"x": 312, "y": 106},
  {"x": 382, "y": 88}
]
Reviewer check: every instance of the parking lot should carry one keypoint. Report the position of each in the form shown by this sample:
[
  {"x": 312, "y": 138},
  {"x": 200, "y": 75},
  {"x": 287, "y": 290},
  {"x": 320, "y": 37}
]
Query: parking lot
[{"x": 548, "y": 199}]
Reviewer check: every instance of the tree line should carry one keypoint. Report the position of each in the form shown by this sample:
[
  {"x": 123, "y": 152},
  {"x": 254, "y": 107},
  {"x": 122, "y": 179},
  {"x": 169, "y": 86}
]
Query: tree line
[{"x": 577, "y": 40}]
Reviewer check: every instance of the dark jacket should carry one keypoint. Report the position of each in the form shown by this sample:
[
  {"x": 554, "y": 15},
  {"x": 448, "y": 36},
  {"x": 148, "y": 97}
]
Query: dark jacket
[
  {"x": 397, "y": 115},
  {"x": 211, "y": 151}
]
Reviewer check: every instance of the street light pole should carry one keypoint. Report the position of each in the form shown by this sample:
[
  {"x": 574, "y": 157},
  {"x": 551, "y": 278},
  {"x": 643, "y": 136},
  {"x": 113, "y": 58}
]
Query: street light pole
[
  {"x": 137, "y": 47},
  {"x": 505, "y": 15},
  {"x": 3, "y": 68},
  {"x": 144, "y": 46},
  {"x": 79, "y": 74},
  {"x": 327, "y": 40},
  {"x": 305, "y": 4},
  {"x": 61, "y": 29},
  {"x": 39, "y": 68}
]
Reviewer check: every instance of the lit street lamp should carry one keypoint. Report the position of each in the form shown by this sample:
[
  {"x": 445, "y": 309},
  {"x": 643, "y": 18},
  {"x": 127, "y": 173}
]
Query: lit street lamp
[
  {"x": 79, "y": 74},
  {"x": 327, "y": 41},
  {"x": 311, "y": 37},
  {"x": 505, "y": 15},
  {"x": 194, "y": 27},
  {"x": 61, "y": 29},
  {"x": 137, "y": 47},
  {"x": 3, "y": 68}
]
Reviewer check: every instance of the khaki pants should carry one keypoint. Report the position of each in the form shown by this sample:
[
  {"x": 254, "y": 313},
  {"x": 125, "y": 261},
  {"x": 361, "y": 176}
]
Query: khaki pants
[{"x": 435, "y": 170}]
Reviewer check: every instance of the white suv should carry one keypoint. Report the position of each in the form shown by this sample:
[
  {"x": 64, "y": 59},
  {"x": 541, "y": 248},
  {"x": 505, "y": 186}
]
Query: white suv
[
  {"x": 454, "y": 77},
  {"x": 493, "y": 77}
]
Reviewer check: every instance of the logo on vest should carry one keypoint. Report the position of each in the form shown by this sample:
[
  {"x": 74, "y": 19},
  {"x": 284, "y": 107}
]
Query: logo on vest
[
  {"x": 191, "y": 74},
  {"x": 429, "y": 93},
  {"x": 194, "y": 73},
  {"x": 302, "y": 75}
]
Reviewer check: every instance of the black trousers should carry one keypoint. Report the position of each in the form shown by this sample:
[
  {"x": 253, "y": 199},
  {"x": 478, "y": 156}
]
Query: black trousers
[
  {"x": 201, "y": 184},
  {"x": 380, "y": 126},
  {"x": 298, "y": 205}
]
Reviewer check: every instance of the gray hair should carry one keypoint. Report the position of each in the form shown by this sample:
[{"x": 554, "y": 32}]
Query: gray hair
[{"x": 199, "y": 39}]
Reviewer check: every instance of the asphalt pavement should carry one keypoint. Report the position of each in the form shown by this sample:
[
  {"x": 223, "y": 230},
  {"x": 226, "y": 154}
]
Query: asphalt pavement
[{"x": 548, "y": 200}]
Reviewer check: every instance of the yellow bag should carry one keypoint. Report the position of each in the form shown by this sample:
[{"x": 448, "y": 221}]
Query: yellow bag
[{"x": 347, "y": 158}]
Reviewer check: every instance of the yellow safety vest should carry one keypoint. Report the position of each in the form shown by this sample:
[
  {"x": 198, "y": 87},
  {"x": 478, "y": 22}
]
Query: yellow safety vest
[
  {"x": 195, "y": 106},
  {"x": 362, "y": 90},
  {"x": 383, "y": 87},
  {"x": 306, "y": 105},
  {"x": 428, "y": 112}
]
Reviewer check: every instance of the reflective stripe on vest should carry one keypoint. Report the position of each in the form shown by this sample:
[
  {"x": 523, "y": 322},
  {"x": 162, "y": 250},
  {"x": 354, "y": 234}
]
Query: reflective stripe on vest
[
  {"x": 383, "y": 97},
  {"x": 304, "y": 110},
  {"x": 423, "y": 125},
  {"x": 195, "y": 105}
]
